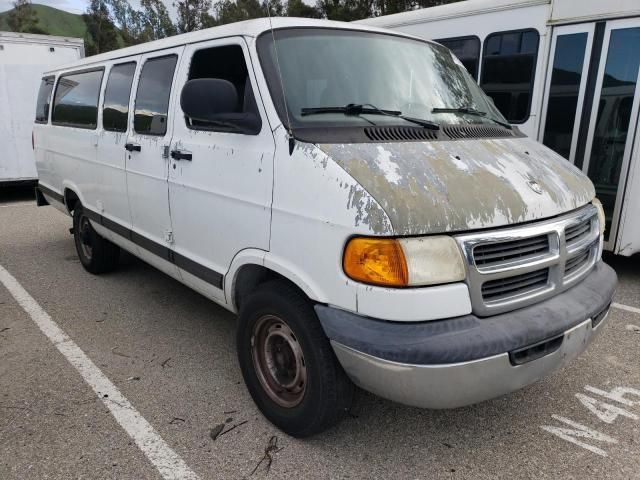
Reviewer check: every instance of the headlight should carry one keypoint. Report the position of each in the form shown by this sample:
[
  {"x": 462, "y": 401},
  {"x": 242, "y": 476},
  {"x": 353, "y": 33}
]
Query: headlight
[
  {"x": 601, "y": 223},
  {"x": 403, "y": 262}
]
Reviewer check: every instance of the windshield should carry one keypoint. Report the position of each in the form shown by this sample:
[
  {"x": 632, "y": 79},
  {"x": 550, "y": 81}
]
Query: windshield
[{"x": 336, "y": 68}]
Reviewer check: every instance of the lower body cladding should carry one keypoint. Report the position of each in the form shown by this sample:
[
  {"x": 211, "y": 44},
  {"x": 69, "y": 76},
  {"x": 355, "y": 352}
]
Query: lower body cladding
[{"x": 464, "y": 360}]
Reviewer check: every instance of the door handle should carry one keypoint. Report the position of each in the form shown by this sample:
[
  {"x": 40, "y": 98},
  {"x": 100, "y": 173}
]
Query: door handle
[
  {"x": 132, "y": 147},
  {"x": 178, "y": 155}
]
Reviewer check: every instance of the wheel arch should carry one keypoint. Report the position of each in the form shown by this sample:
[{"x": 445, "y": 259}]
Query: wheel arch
[
  {"x": 71, "y": 197},
  {"x": 251, "y": 268}
]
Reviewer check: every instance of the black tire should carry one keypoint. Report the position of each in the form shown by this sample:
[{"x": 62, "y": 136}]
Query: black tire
[
  {"x": 97, "y": 254},
  {"x": 328, "y": 392}
]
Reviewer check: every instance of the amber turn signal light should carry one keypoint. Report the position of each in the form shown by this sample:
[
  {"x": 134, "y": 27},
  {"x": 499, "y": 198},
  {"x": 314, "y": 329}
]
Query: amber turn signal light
[{"x": 378, "y": 261}]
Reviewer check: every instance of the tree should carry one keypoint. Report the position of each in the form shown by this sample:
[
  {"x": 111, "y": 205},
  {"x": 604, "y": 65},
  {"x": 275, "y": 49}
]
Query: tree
[
  {"x": 130, "y": 21},
  {"x": 23, "y": 18},
  {"x": 275, "y": 8},
  {"x": 388, "y": 7},
  {"x": 297, "y": 8},
  {"x": 346, "y": 10},
  {"x": 193, "y": 15},
  {"x": 101, "y": 32},
  {"x": 349, "y": 10},
  {"x": 157, "y": 22},
  {"x": 229, "y": 11}
]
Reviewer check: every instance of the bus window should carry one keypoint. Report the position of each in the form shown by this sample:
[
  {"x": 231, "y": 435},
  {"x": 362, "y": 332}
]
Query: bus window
[
  {"x": 563, "y": 92},
  {"x": 508, "y": 70},
  {"x": 467, "y": 49}
]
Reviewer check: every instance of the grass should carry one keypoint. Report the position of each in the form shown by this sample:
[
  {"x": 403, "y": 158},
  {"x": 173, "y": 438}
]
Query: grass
[{"x": 53, "y": 22}]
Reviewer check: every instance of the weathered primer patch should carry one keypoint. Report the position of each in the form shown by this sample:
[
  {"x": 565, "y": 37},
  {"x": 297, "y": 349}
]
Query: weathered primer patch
[
  {"x": 365, "y": 209},
  {"x": 436, "y": 187}
]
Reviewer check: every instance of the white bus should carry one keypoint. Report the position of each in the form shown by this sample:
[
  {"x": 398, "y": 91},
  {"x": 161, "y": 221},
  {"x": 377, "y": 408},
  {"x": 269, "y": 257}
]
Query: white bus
[
  {"x": 23, "y": 58},
  {"x": 564, "y": 71}
]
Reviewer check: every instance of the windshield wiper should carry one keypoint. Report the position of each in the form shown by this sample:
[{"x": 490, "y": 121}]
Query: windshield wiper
[
  {"x": 471, "y": 111},
  {"x": 357, "y": 109},
  {"x": 351, "y": 109}
]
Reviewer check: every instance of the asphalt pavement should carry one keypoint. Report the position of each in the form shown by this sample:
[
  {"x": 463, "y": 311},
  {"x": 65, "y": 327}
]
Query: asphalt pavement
[{"x": 170, "y": 353}]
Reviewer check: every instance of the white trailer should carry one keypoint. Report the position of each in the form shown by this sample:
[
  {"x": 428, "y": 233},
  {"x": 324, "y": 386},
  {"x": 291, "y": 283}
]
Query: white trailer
[
  {"x": 23, "y": 58},
  {"x": 567, "y": 73}
]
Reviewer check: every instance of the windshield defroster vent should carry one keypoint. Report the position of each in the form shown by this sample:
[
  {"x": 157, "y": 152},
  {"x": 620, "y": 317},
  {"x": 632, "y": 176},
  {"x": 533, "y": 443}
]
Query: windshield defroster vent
[
  {"x": 448, "y": 132},
  {"x": 460, "y": 132},
  {"x": 399, "y": 134}
]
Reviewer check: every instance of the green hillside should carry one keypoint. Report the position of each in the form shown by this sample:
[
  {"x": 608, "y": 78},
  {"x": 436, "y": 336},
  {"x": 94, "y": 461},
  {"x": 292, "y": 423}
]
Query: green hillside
[{"x": 53, "y": 22}]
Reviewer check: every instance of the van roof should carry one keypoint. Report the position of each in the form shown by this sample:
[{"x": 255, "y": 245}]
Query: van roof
[{"x": 247, "y": 28}]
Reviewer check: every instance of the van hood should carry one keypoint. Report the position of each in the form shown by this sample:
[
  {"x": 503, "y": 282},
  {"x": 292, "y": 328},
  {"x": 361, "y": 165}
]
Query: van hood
[{"x": 452, "y": 186}]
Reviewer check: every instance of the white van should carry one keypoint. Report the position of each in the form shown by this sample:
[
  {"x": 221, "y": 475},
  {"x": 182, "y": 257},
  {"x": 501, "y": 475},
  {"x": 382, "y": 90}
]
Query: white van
[{"x": 350, "y": 192}]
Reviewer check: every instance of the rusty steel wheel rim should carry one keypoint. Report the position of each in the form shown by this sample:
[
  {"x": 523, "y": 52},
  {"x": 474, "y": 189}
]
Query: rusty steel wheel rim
[
  {"x": 278, "y": 361},
  {"x": 85, "y": 237}
]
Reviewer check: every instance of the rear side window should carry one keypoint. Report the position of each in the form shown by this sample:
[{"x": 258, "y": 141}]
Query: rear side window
[
  {"x": 44, "y": 99},
  {"x": 115, "y": 110},
  {"x": 508, "y": 70},
  {"x": 152, "y": 97},
  {"x": 76, "y": 100},
  {"x": 467, "y": 49}
]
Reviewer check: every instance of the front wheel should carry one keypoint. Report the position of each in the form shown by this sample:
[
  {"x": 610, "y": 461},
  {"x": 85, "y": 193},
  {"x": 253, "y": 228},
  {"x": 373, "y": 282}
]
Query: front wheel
[
  {"x": 288, "y": 364},
  {"x": 97, "y": 254}
]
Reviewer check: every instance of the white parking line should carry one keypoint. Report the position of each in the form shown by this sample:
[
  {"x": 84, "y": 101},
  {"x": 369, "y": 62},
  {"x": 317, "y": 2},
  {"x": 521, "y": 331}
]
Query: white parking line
[
  {"x": 627, "y": 308},
  {"x": 168, "y": 462},
  {"x": 18, "y": 204}
]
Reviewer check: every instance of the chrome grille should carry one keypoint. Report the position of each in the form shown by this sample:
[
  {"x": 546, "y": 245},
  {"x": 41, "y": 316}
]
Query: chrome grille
[
  {"x": 574, "y": 264},
  {"x": 515, "y": 267},
  {"x": 527, "y": 248},
  {"x": 576, "y": 233},
  {"x": 504, "y": 288}
]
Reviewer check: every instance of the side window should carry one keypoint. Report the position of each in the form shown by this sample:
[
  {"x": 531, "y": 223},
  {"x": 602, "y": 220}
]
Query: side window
[
  {"x": 115, "y": 110},
  {"x": 467, "y": 49},
  {"x": 75, "y": 103},
  {"x": 227, "y": 63},
  {"x": 508, "y": 70},
  {"x": 152, "y": 97},
  {"x": 44, "y": 99}
]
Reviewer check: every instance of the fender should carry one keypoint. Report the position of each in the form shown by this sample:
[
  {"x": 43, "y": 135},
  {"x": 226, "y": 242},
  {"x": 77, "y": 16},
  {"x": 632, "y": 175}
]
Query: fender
[
  {"x": 69, "y": 185},
  {"x": 295, "y": 275},
  {"x": 270, "y": 261}
]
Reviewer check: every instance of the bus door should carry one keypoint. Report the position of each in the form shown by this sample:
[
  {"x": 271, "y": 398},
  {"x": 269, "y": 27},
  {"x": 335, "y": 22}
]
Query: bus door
[{"x": 591, "y": 107}]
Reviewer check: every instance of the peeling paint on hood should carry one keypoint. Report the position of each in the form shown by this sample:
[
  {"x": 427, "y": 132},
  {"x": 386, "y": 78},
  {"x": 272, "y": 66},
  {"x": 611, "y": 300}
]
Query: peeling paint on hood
[{"x": 450, "y": 186}]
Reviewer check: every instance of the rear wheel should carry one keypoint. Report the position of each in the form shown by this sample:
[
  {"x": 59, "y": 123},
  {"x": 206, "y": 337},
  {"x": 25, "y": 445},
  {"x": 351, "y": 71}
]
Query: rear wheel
[
  {"x": 288, "y": 364},
  {"x": 96, "y": 253}
]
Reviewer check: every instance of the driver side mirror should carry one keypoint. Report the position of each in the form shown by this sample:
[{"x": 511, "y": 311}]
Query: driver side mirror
[{"x": 213, "y": 103}]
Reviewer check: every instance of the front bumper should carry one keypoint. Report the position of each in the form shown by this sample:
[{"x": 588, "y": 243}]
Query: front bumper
[{"x": 464, "y": 360}]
